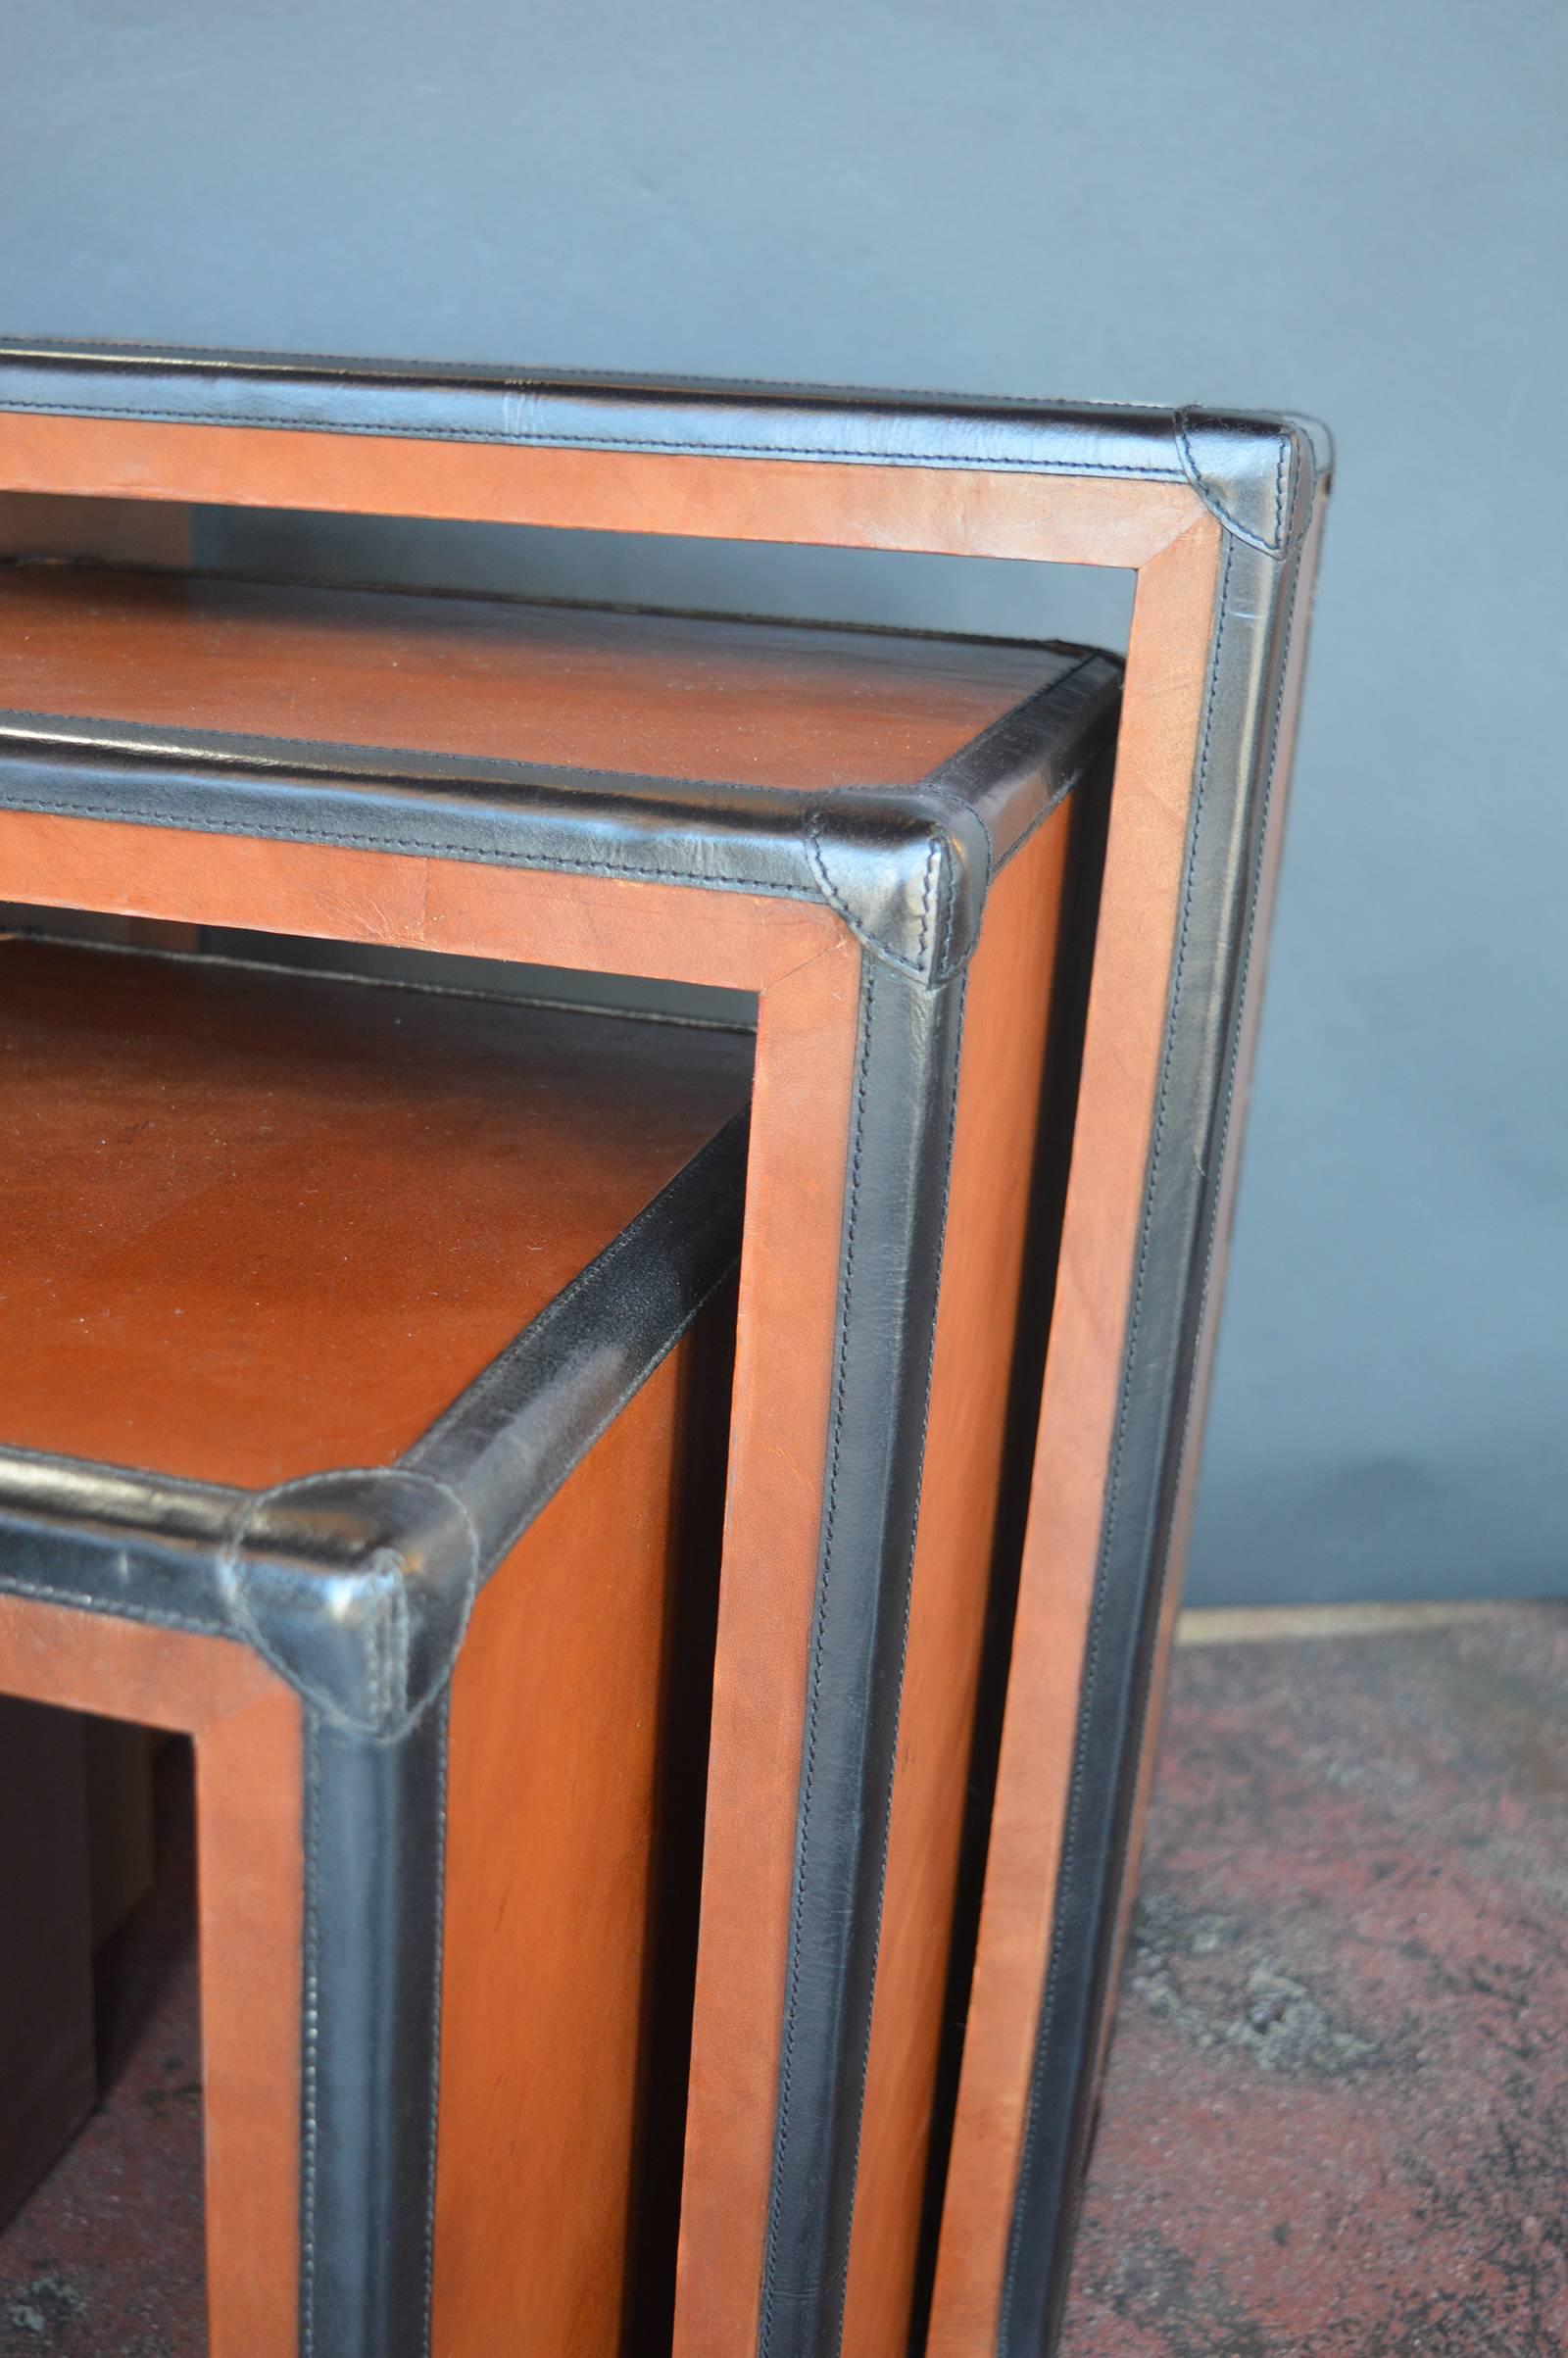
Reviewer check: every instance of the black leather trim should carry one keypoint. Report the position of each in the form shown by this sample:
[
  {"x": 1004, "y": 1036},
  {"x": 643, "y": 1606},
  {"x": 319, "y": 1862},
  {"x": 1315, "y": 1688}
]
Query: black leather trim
[
  {"x": 906, "y": 866},
  {"x": 894, "y": 1214},
  {"x": 356, "y": 1585},
  {"x": 1239, "y": 462},
  {"x": 510, "y": 1440},
  {"x": 1231, "y": 815},
  {"x": 370, "y": 2015}
]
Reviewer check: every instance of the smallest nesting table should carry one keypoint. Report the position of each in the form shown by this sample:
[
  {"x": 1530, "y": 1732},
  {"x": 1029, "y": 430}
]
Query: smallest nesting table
[{"x": 362, "y": 1418}]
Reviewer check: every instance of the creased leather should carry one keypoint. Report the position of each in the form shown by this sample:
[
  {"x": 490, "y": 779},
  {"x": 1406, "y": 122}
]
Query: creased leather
[
  {"x": 1234, "y": 458},
  {"x": 905, "y": 866},
  {"x": 357, "y": 1588}
]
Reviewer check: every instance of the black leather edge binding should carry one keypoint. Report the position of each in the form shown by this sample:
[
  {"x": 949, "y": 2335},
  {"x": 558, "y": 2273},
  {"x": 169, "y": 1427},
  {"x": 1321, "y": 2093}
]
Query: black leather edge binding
[
  {"x": 905, "y": 867},
  {"x": 1238, "y": 461},
  {"x": 374, "y": 1826},
  {"x": 356, "y": 1585},
  {"x": 1250, "y": 658},
  {"x": 510, "y": 1440},
  {"x": 894, "y": 1214},
  {"x": 906, "y": 1083}
]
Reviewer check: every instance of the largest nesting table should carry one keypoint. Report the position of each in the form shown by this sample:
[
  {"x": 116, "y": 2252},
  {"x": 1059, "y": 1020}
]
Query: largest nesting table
[{"x": 868, "y": 834}]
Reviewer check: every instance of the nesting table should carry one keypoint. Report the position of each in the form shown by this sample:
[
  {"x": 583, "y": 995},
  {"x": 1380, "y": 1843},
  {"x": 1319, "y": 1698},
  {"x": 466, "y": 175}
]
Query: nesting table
[{"x": 875, "y": 836}]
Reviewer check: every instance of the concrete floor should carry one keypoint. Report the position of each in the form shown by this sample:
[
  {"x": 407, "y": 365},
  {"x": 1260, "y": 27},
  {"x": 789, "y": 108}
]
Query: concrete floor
[{"x": 1336, "y": 2122}]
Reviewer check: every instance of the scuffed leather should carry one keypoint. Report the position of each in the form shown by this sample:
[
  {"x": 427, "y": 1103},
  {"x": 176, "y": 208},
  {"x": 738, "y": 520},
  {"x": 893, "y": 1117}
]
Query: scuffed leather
[
  {"x": 1237, "y": 461},
  {"x": 905, "y": 866},
  {"x": 356, "y": 1587}
]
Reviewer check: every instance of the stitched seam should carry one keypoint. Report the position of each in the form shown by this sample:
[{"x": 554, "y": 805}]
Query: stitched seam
[
  {"x": 401, "y": 1641},
  {"x": 1072, "y": 1830},
  {"x": 372, "y": 1639},
  {"x": 993, "y": 465},
  {"x": 251, "y": 1633},
  {"x": 311, "y": 2033},
  {"x": 951, "y": 1127},
  {"x": 1283, "y": 543},
  {"x": 115, "y": 1608},
  {"x": 633, "y": 1386},
  {"x": 438, "y": 1994},
  {"x": 592, "y": 1275},
  {"x": 915, "y": 966},
  {"x": 933, "y": 856},
  {"x": 771, "y": 2290},
  {"x": 478, "y": 855},
  {"x": 1244, "y": 980}
]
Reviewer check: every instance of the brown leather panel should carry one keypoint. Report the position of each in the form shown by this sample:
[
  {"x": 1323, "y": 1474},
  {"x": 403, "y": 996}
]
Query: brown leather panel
[
  {"x": 612, "y": 925},
  {"x": 257, "y": 1225},
  {"x": 250, "y": 1814},
  {"x": 765, "y": 704},
  {"x": 1124, "y": 1033},
  {"x": 250, "y": 1893},
  {"x": 784, "y": 1352},
  {"x": 1058, "y": 519},
  {"x": 999, "y": 1096},
  {"x": 559, "y": 1728}
]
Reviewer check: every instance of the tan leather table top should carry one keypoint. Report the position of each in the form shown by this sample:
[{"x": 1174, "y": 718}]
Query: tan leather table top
[
  {"x": 664, "y": 696},
  {"x": 254, "y": 1225}
]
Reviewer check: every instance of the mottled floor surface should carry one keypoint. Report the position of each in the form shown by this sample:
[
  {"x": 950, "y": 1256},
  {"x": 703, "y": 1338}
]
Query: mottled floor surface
[
  {"x": 1336, "y": 2123},
  {"x": 106, "y": 2260}
]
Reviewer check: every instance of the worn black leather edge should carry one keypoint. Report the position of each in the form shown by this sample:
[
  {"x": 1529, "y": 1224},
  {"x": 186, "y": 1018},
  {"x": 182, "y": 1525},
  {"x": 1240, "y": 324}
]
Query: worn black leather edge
[
  {"x": 356, "y": 1585},
  {"x": 510, "y": 1440},
  {"x": 906, "y": 866},
  {"x": 1234, "y": 458},
  {"x": 894, "y": 1214},
  {"x": 108, "y": 1539},
  {"x": 1249, "y": 657},
  {"x": 370, "y": 2017}
]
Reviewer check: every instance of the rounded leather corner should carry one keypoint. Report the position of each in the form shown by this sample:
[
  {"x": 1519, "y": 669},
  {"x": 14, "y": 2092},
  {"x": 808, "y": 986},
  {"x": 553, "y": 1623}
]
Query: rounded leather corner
[
  {"x": 908, "y": 869},
  {"x": 1259, "y": 476},
  {"x": 357, "y": 1588}
]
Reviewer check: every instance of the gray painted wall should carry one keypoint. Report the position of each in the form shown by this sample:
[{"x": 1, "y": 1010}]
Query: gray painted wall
[{"x": 1354, "y": 210}]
